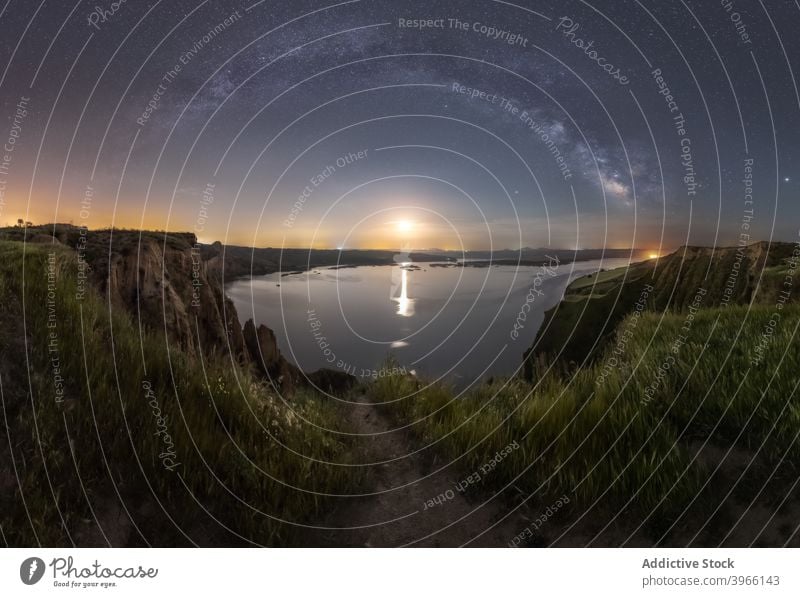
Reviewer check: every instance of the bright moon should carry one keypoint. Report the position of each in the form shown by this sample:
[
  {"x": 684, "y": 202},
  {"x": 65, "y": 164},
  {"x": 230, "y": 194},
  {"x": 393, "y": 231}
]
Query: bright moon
[{"x": 404, "y": 226}]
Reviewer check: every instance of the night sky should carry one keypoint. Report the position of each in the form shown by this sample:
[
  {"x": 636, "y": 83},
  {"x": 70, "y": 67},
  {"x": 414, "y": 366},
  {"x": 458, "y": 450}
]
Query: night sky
[{"x": 451, "y": 124}]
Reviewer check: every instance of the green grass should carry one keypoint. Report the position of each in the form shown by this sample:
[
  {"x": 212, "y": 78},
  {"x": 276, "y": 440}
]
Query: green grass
[
  {"x": 597, "y": 280},
  {"x": 579, "y": 328},
  {"x": 239, "y": 446},
  {"x": 616, "y": 436},
  {"x": 595, "y": 435}
]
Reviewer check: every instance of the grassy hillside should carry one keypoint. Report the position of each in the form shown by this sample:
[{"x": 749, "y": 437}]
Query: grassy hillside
[
  {"x": 581, "y": 326},
  {"x": 679, "y": 427},
  {"x": 109, "y": 422}
]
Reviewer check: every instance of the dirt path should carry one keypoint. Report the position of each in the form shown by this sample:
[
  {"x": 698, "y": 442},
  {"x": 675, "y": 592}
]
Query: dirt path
[
  {"x": 412, "y": 505},
  {"x": 397, "y": 514}
]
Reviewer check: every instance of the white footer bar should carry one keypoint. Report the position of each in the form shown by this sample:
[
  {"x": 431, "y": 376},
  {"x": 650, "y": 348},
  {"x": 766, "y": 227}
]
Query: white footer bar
[{"x": 378, "y": 572}]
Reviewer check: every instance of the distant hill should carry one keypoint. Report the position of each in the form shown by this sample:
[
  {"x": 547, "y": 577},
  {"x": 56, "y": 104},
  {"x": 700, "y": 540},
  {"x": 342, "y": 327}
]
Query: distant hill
[
  {"x": 239, "y": 262},
  {"x": 249, "y": 261},
  {"x": 541, "y": 253}
]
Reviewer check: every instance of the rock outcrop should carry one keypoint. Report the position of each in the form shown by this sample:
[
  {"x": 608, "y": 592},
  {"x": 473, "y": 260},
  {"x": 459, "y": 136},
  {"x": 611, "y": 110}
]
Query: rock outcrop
[
  {"x": 167, "y": 284},
  {"x": 262, "y": 349}
]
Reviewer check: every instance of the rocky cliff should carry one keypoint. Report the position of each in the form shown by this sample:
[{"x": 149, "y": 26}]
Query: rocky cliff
[
  {"x": 168, "y": 285},
  {"x": 171, "y": 283},
  {"x": 128, "y": 380}
]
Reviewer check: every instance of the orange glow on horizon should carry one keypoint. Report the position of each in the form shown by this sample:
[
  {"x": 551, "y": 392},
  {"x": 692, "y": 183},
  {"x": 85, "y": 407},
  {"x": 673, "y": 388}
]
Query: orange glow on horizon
[{"x": 393, "y": 235}]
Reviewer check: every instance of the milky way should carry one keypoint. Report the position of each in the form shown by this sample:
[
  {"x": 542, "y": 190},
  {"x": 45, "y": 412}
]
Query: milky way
[{"x": 488, "y": 123}]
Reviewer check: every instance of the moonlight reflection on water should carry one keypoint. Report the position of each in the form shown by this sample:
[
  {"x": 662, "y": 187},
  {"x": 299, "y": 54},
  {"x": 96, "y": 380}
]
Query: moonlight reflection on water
[{"x": 445, "y": 322}]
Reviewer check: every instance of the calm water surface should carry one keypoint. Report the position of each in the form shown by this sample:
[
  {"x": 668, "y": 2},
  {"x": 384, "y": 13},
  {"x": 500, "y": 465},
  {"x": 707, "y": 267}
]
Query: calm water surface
[{"x": 440, "y": 322}]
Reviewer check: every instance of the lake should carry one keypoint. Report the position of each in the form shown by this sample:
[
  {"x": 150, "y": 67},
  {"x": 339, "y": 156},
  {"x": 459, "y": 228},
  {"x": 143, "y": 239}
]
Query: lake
[{"x": 459, "y": 324}]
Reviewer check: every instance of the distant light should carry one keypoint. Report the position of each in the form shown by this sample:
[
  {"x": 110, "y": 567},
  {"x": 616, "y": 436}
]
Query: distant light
[
  {"x": 786, "y": 179},
  {"x": 653, "y": 255}
]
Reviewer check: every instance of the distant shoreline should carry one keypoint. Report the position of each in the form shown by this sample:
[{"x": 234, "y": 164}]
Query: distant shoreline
[
  {"x": 478, "y": 263},
  {"x": 439, "y": 264}
]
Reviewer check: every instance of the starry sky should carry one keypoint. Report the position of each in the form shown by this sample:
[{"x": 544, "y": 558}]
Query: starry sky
[{"x": 479, "y": 124}]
